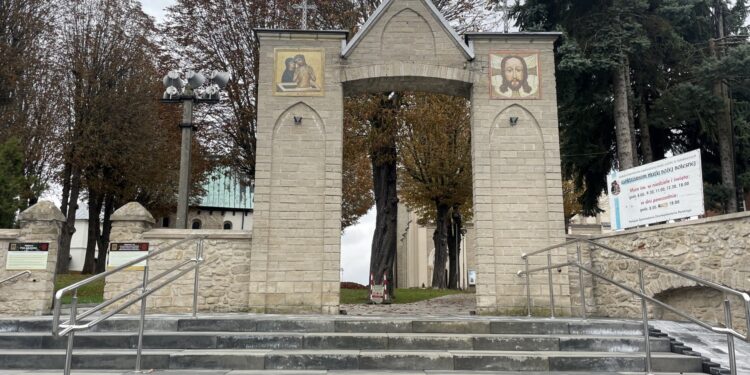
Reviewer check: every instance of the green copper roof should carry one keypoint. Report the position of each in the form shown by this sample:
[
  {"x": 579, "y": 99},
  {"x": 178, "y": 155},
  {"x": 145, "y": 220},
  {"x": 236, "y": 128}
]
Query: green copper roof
[{"x": 223, "y": 190}]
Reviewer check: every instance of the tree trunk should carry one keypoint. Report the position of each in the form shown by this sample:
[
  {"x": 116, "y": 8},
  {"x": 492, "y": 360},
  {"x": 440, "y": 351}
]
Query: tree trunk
[
  {"x": 646, "y": 148},
  {"x": 101, "y": 259},
  {"x": 725, "y": 128},
  {"x": 625, "y": 152},
  {"x": 440, "y": 240},
  {"x": 67, "y": 172},
  {"x": 454, "y": 249},
  {"x": 69, "y": 228},
  {"x": 726, "y": 147},
  {"x": 95, "y": 208},
  {"x": 631, "y": 119},
  {"x": 384, "y": 174}
]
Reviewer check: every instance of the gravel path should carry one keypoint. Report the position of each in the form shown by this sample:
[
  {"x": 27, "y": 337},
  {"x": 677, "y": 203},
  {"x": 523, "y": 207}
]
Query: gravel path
[{"x": 453, "y": 305}]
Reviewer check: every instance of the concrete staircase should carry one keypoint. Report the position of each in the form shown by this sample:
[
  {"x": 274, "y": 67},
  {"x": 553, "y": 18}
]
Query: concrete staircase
[{"x": 351, "y": 344}]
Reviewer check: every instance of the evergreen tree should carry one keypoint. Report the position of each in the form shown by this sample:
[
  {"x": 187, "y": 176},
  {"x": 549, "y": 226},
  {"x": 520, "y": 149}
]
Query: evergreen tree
[{"x": 11, "y": 181}]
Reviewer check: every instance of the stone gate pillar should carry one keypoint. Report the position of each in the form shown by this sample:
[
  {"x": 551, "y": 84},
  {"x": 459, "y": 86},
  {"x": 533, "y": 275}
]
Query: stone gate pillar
[
  {"x": 295, "y": 256},
  {"x": 518, "y": 204},
  {"x": 40, "y": 223}
]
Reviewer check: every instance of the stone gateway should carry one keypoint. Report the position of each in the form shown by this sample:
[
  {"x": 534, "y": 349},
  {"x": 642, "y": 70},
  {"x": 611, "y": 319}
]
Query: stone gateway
[{"x": 406, "y": 45}]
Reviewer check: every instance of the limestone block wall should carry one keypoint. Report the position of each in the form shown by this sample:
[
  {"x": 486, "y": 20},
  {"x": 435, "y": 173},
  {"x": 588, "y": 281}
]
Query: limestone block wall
[
  {"x": 715, "y": 249},
  {"x": 518, "y": 205},
  {"x": 31, "y": 295},
  {"x": 297, "y": 226},
  {"x": 223, "y": 278}
]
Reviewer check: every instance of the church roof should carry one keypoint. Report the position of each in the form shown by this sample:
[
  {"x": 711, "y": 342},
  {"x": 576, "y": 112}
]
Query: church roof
[
  {"x": 224, "y": 191},
  {"x": 375, "y": 17}
]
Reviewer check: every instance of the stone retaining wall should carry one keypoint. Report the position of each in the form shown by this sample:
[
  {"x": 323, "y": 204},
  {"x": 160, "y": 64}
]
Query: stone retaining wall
[
  {"x": 223, "y": 278},
  {"x": 716, "y": 249}
]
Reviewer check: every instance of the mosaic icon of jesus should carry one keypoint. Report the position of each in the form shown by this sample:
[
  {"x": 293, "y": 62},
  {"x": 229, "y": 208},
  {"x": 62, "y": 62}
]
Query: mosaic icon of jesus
[
  {"x": 299, "y": 72},
  {"x": 514, "y": 75}
]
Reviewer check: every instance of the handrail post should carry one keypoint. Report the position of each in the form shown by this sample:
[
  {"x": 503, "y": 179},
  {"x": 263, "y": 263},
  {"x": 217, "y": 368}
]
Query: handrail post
[
  {"x": 142, "y": 323},
  {"x": 71, "y": 334},
  {"x": 551, "y": 291},
  {"x": 730, "y": 337},
  {"x": 198, "y": 260},
  {"x": 646, "y": 334},
  {"x": 528, "y": 288},
  {"x": 580, "y": 282}
]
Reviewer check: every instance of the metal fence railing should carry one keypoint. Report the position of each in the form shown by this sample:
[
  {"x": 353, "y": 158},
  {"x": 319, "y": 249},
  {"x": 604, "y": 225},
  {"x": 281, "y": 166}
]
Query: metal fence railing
[{"x": 728, "y": 329}]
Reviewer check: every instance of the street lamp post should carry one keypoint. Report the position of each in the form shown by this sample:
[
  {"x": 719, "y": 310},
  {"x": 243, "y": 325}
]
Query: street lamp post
[{"x": 189, "y": 93}]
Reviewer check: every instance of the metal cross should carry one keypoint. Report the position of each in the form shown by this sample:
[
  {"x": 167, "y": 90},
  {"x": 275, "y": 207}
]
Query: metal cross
[
  {"x": 305, "y": 7},
  {"x": 506, "y": 17}
]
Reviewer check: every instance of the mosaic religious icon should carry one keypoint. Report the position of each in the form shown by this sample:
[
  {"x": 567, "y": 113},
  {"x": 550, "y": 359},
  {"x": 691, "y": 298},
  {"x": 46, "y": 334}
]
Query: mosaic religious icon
[
  {"x": 299, "y": 72},
  {"x": 515, "y": 75}
]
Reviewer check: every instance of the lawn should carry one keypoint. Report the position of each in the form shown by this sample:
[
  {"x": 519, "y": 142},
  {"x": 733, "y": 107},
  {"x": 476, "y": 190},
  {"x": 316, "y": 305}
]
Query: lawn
[
  {"x": 359, "y": 296},
  {"x": 92, "y": 293}
]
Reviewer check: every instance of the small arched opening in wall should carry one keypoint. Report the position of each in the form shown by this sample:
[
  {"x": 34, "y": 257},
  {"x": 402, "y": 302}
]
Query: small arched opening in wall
[
  {"x": 197, "y": 224},
  {"x": 227, "y": 225}
]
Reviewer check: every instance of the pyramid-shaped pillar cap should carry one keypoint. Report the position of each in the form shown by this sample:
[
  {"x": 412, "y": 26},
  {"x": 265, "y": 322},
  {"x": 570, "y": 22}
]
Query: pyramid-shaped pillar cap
[
  {"x": 133, "y": 211},
  {"x": 42, "y": 211}
]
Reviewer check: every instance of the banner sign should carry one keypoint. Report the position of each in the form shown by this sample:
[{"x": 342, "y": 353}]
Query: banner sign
[
  {"x": 27, "y": 256},
  {"x": 121, "y": 253},
  {"x": 665, "y": 190}
]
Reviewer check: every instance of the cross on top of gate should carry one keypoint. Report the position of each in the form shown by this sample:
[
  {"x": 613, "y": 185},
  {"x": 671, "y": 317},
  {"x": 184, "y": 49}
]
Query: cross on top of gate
[{"x": 304, "y": 6}]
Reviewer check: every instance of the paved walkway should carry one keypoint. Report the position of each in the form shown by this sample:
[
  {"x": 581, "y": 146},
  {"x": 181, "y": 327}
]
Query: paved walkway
[
  {"x": 709, "y": 344},
  {"x": 453, "y": 305}
]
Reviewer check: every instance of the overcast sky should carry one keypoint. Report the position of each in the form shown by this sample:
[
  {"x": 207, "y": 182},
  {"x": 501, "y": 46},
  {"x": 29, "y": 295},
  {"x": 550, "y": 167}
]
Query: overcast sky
[{"x": 155, "y": 8}]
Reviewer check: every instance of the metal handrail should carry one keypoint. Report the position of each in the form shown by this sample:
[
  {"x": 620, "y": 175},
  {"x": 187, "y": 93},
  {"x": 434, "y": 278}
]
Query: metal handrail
[
  {"x": 727, "y": 330},
  {"x": 15, "y": 277},
  {"x": 146, "y": 288}
]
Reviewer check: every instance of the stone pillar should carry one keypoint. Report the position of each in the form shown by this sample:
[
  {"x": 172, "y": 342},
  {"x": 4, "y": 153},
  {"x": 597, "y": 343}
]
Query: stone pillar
[
  {"x": 295, "y": 259},
  {"x": 33, "y": 295},
  {"x": 129, "y": 223},
  {"x": 518, "y": 200}
]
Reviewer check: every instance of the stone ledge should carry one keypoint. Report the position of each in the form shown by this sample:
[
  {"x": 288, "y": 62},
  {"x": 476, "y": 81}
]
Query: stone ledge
[
  {"x": 213, "y": 234},
  {"x": 9, "y": 234},
  {"x": 708, "y": 220}
]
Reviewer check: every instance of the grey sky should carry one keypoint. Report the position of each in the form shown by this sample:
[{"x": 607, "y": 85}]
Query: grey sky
[{"x": 155, "y": 8}]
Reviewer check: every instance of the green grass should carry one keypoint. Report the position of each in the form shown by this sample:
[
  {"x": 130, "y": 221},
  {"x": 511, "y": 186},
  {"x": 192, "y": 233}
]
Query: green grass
[
  {"x": 92, "y": 293},
  {"x": 359, "y": 296}
]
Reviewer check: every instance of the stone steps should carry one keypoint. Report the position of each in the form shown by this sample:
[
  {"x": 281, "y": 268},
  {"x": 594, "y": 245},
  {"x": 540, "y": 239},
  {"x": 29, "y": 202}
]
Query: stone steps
[
  {"x": 318, "y": 372},
  {"x": 261, "y": 323},
  {"x": 273, "y": 344},
  {"x": 350, "y": 360},
  {"x": 329, "y": 341}
]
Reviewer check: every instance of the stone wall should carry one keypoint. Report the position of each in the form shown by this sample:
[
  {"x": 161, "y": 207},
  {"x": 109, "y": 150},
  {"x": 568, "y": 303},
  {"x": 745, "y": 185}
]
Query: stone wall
[
  {"x": 715, "y": 249},
  {"x": 31, "y": 295},
  {"x": 223, "y": 278}
]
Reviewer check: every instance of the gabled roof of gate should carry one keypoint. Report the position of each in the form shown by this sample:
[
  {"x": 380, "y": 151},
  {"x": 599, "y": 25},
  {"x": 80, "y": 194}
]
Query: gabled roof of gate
[{"x": 377, "y": 15}]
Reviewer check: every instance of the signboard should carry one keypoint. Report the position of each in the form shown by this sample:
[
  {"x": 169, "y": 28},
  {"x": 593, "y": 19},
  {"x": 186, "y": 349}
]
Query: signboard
[
  {"x": 472, "y": 278},
  {"x": 27, "y": 256},
  {"x": 668, "y": 189},
  {"x": 121, "y": 253},
  {"x": 377, "y": 294}
]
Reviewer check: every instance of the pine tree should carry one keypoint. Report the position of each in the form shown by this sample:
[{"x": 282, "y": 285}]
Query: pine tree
[{"x": 11, "y": 181}]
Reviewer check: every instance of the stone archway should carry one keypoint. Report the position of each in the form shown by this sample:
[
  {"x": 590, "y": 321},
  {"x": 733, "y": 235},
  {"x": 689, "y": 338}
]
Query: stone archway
[{"x": 405, "y": 45}]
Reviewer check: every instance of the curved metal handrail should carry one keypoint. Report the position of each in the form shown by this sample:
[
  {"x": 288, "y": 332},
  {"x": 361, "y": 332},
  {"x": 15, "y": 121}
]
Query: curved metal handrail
[
  {"x": 727, "y": 330},
  {"x": 16, "y": 276},
  {"x": 146, "y": 288}
]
